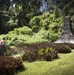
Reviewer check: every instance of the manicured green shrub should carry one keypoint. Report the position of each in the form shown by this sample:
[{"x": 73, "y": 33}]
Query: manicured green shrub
[{"x": 9, "y": 64}]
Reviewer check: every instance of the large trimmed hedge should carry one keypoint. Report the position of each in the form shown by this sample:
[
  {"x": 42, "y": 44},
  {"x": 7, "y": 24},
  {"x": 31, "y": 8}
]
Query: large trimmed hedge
[
  {"x": 44, "y": 51},
  {"x": 60, "y": 47}
]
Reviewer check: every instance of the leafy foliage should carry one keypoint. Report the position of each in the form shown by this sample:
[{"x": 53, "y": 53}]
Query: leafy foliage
[
  {"x": 44, "y": 28},
  {"x": 34, "y": 24},
  {"x": 22, "y": 31},
  {"x": 19, "y": 35},
  {"x": 17, "y": 13},
  {"x": 46, "y": 20}
]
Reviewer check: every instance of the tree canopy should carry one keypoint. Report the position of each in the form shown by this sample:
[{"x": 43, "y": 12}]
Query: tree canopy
[{"x": 18, "y": 13}]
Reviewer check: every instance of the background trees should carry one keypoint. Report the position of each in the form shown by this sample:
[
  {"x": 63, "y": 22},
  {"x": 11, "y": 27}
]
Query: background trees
[{"x": 18, "y": 13}]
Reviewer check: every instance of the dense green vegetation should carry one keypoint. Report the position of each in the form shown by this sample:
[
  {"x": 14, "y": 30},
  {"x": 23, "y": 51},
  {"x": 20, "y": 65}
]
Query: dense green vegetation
[
  {"x": 41, "y": 28},
  {"x": 14, "y": 15},
  {"x": 36, "y": 26}
]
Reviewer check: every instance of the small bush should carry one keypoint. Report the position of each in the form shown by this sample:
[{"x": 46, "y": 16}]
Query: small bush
[{"x": 9, "y": 64}]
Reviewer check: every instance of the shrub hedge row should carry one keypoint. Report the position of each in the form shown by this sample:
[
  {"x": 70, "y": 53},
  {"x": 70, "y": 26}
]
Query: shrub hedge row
[
  {"x": 44, "y": 51},
  {"x": 60, "y": 47}
]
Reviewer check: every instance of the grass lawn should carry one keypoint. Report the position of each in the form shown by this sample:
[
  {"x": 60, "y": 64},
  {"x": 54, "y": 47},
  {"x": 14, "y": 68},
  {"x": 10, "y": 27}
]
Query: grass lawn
[{"x": 62, "y": 66}]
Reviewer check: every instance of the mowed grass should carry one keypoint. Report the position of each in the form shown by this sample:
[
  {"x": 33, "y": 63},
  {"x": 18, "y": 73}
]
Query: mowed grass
[{"x": 62, "y": 66}]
